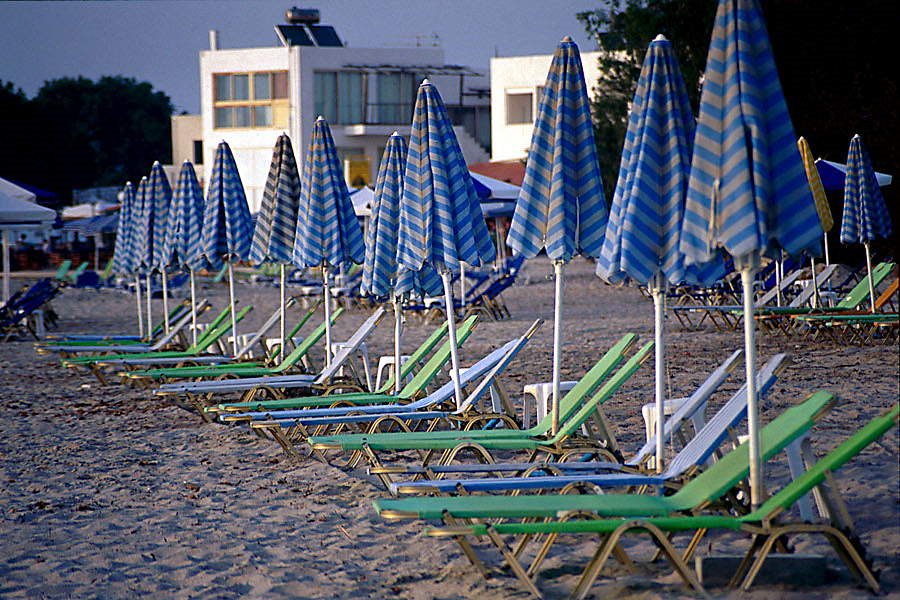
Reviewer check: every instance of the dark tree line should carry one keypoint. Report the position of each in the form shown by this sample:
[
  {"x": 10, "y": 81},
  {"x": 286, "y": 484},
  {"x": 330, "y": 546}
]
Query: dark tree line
[
  {"x": 76, "y": 132},
  {"x": 835, "y": 59}
]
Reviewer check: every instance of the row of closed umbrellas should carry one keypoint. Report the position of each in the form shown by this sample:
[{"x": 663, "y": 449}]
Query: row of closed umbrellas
[{"x": 730, "y": 181}]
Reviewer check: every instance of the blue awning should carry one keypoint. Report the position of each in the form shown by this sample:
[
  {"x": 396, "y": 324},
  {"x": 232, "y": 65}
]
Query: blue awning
[{"x": 832, "y": 175}]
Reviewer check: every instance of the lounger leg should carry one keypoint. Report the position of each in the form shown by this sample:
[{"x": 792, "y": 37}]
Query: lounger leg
[
  {"x": 468, "y": 549},
  {"x": 513, "y": 562}
]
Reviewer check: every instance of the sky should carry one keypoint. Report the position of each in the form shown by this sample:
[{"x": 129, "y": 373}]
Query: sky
[{"x": 159, "y": 41}]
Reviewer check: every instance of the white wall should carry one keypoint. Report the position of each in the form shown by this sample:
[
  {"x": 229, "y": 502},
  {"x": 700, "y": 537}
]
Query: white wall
[{"x": 522, "y": 74}]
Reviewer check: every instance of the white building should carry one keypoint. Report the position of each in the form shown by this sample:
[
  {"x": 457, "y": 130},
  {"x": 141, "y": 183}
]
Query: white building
[
  {"x": 516, "y": 84},
  {"x": 249, "y": 96}
]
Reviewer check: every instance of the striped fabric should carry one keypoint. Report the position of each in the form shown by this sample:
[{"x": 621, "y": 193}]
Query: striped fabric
[
  {"x": 866, "y": 216},
  {"x": 143, "y": 228},
  {"x": 182, "y": 241},
  {"x": 645, "y": 219},
  {"x": 748, "y": 191},
  {"x": 227, "y": 226},
  {"x": 815, "y": 185},
  {"x": 441, "y": 222},
  {"x": 161, "y": 198},
  {"x": 561, "y": 207},
  {"x": 327, "y": 229},
  {"x": 123, "y": 252},
  {"x": 273, "y": 238},
  {"x": 381, "y": 274}
]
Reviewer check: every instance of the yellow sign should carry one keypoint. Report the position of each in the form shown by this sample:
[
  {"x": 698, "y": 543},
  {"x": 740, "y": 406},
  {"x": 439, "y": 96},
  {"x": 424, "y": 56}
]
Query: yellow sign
[{"x": 357, "y": 172}]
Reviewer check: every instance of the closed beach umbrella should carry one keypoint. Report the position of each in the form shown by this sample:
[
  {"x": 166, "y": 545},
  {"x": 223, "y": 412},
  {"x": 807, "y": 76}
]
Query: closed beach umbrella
[
  {"x": 182, "y": 241},
  {"x": 647, "y": 212},
  {"x": 124, "y": 249},
  {"x": 822, "y": 208},
  {"x": 382, "y": 276},
  {"x": 227, "y": 225},
  {"x": 748, "y": 193},
  {"x": 328, "y": 233},
  {"x": 866, "y": 216},
  {"x": 143, "y": 241},
  {"x": 273, "y": 237},
  {"x": 161, "y": 199},
  {"x": 561, "y": 208},
  {"x": 441, "y": 223}
]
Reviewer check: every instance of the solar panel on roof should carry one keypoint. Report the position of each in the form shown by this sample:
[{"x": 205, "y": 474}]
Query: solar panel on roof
[
  {"x": 295, "y": 35},
  {"x": 326, "y": 36}
]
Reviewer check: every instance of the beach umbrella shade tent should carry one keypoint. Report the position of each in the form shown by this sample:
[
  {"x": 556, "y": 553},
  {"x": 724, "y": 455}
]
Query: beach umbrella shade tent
[
  {"x": 181, "y": 244},
  {"x": 647, "y": 212},
  {"x": 227, "y": 225},
  {"x": 124, "y": 248},
  {"x": 142, "y": 238},
  {"x": 866, "y": 216},
  {"x": 561, "y": 208},
  {"x": 161, "y": 199},
  {"x": 833, "y": 175},
  {"x": 441, "y": 223},
  {"x": 328, "y": 233},
  {"x": 17, "y": 214},
  {"x": 382, "y": 276},
  {"x": 747, "y": 192},
  {"x": 273, "y": 236},
  {"x": 826, "y": 220}
]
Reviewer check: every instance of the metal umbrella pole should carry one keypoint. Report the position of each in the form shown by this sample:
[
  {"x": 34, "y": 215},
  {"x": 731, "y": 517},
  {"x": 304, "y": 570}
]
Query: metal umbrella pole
[
  {"x": 451, "y": 324},
  {"x": 140, "y": 313},
  {"x": 327, "y": 294},
  {"x": 756, "y": 467},
  {"x": 193, "y": 308},
  {"x": 659, "y": 311},
  {"x": 165, "y": 293},
  {"x": 234, "y": 332},
  {"x": 398, "y": 324},
  {"x": 558, "y": 268},
  {"x": 149, "y": 307}
]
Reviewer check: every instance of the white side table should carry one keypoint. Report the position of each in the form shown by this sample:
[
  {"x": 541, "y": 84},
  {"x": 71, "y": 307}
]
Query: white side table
[
  {"x": 386, "y": 365},
  {"x": 540, "y": 394},
  {"x": 363, "y": 351},
  {"x": 648, "y": 411}
]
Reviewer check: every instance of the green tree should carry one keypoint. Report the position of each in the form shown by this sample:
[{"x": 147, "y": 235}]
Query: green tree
[
  {"x": 623, "y": 31},
  {"x": 100, "y": 132},
  {"x": 18, "y": 125}
]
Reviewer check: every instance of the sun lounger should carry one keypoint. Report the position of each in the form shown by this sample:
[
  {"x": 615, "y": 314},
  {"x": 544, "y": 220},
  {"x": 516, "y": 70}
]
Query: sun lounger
[{"x": 75, "y": 339}]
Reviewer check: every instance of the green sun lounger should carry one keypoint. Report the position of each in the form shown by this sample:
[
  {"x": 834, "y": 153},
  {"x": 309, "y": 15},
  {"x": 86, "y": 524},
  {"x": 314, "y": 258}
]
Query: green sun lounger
[
  {"x": 74, "y": 340},
  {"x": 412, "y": 390},
  {"x": 766, "y": 524},
  {"x": 63, "y": 269},
  {"x": 249, "y": 369}
]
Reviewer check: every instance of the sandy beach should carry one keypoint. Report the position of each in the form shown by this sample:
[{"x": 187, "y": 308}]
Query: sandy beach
[{"x": 110, "y": 492}]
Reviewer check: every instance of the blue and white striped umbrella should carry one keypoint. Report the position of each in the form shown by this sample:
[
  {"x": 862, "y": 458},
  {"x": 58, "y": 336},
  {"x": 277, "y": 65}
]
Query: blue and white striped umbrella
[
  {"x": 328, "y": 233},
  {"x": 647, "y": 211},
  {"x": 441, "y": 223},
  {"x": 561, "y": 208},
  {"x": 182, "y": 241},
  {"x": 381, "y": 272},
  {"x": 273, "y": 237},
  {"x": 144, "y": 217},
  {"x": 748, "y": 191},
  {"x": 866, "y": 217},
  {"x": 227, "y": 226},
  {"x": 123, "y": 252},
  {"x": 161, "y": 199}
]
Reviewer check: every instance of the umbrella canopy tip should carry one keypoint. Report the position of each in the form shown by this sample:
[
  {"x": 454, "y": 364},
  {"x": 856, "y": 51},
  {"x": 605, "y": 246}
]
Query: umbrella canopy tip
[
  {"x": 425, "y": 82},
  {"x": 395, "y": 134},
  {"x": 660, "y": 38},
  {"x": 155, "y": 163},
  {"x": 566, "y": 40},
  {"x": 320, "y": 118},
  {"x": 856, "y": 136}
]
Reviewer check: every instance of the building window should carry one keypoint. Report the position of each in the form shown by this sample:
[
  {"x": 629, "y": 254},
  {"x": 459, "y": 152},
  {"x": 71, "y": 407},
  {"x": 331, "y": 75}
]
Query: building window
[
  {"x": 198, "y": 152},
  {"x": 396, "y": 97},
  {"x": 340, "y": 96},
  {"x": 519, "y": 108},
  {"x": 250, "y": 100}
]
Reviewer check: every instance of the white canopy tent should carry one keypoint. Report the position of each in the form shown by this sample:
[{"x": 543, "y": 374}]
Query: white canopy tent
[{"x": 18, "y": 214}]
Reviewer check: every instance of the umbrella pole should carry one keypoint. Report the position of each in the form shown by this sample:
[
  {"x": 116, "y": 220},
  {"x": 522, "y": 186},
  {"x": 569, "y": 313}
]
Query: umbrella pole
[
  {"x": 779, "y": 276},
  {"x": 462, "y": 284},
  {"x": 234, "y": 333},
  {"x": 193, "y": 309},
  {"x": 149, "y": 307},
  {"x": 827, "y": 254},
  {"x": 756, "y": 467},
  {"x": 282, "y": 331},
  {"x": 327, "y": 293},
  {"x": 815, "y": 284},
  {"x": 869, "y": 275},
  {"x": 659, "y": 309},
  {"x": 165, "y": 287},
  {"x": 398, "y": 323},
  {"x": 140, "y": 313},
  {"x": 451, "y": 324},
  {"x": 557, "y": 341},
  {"x": 5, "y": 265}
]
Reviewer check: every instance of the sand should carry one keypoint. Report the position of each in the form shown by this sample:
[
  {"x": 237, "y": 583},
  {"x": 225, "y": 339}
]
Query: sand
[{"x": 109, "y": 492}]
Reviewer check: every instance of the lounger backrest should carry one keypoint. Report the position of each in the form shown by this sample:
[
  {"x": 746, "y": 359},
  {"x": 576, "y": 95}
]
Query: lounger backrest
[
  {"x": 174, "y": 328},
  {"x": 831, "y": 462},
  {"x": 276, "y": 352},
  {"x": 211, "y": 327},
  {"x": 785, "y": 284},
  {"x": 885, "y": 296},
  {"x": 64, "y": 267},
  {"x": 586, "y": 385},
  {"x": 221, "y": 330},
  {"x": 700, "y": 448},
  {"x": 415, "y": 358},
  {"x": 351, "y": 346},
  {"x": 437, "y": 361},
  {"x": 573, "y": 423},
  {"x": 264, "y": 329},
  {"x": 484, "y": 385},
  {"x": 446, "y": 391},
  {"x": 821, "y": 278},
  {"x": 308, "y": 342},
  {"x": 726, "y": 472},
  {"x": 860, "y": 292},
  {"x": 687, "y": 409}
]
